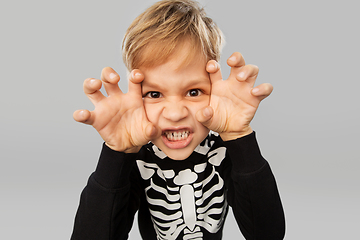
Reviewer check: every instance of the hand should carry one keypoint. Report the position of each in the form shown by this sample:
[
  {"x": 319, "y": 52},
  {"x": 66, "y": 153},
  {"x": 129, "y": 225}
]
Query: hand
[
  {"x": 233, "y": 102},
  {"x": 119, "y": 118}
]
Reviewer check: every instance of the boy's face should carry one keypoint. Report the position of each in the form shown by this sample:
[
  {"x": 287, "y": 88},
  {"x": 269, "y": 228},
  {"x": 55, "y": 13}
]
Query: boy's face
[{"x": 172, "y": 96}]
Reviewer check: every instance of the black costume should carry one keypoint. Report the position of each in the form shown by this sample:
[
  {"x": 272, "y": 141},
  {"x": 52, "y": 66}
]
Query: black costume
[{"x": 185, "y": 199}]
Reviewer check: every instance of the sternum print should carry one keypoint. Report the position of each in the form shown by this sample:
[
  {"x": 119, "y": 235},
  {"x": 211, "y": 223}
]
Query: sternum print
[{"x": 188, "y": 206}]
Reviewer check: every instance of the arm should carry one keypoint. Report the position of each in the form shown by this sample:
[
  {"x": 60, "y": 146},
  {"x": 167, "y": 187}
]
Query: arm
[
  {"x": 252, "y": 188},
  {"x": 109, "y": 200},
  {"x": 252, "y": 191}
]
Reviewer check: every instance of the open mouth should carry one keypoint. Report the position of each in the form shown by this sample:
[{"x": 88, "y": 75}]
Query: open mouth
[
  {"x": 177, "y": 138},
  {"x": 177, "y": 135}
]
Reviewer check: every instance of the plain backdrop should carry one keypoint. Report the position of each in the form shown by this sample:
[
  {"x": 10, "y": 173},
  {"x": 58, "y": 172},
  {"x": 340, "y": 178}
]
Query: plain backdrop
[{"x": 308, "y": 129}]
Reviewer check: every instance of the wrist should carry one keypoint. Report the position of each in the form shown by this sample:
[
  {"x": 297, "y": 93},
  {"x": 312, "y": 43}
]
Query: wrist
[
  {"x": 227, "y": 136},
  {"x": 114, "y": 168},
  {"x": 132, "y": 150},
  {"x": 124, "y": 150}
]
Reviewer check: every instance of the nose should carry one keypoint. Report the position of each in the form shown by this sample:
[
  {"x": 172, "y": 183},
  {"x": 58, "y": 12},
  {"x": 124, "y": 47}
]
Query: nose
[{"x": 175, "y": 110}]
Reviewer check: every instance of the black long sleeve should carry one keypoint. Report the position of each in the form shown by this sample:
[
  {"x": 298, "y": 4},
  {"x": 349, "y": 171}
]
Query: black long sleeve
[
  {"x": 253, "y": 192},
  {"x": 115, "y": 191},
  {"x": 109, "y": 200}
]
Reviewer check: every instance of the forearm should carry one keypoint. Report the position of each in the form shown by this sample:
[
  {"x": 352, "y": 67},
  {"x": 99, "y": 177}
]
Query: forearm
[
  {"x": 253, "y": 192},
  {"x": 105, "y": 210}
]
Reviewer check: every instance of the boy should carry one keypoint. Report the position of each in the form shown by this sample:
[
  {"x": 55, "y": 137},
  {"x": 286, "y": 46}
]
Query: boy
[{"x": 161, "y": 155}]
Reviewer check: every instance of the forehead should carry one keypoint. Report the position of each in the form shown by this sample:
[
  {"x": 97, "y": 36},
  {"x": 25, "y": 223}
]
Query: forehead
[
  {"x": 177, "y": 73},
  {"x": 185, "y": 67},
  {"x": 157, "y": 53}
]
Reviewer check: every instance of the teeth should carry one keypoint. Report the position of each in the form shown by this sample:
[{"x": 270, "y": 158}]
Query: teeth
[{"x": 177, "y": 136}]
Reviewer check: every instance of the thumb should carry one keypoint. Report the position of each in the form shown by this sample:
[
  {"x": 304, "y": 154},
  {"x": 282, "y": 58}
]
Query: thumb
[
  {"x": 151, "y": 131},
  {"x": 204, "y": 116}
]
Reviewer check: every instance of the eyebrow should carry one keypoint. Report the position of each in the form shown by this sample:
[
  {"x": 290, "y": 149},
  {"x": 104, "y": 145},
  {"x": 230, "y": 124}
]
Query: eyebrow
[
  {"x": 149, "y": 84},
  {"x": 195, "y": 82}
]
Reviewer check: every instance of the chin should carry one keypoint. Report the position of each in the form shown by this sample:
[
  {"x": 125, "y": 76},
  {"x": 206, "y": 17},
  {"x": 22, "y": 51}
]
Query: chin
[{"x": 178, "y": 154}]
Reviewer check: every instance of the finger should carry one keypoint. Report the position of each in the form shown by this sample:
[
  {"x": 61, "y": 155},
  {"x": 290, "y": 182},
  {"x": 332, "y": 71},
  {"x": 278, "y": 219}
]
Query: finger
[
  {"x": 110, "y": 79},
  {"x": 236, "y": 60},
  {"x": 213, "y": 68},
  {"x": 135, "y": 79},
  {"x": 205, "y": 115},
  {"x": 152, "y": 132},
  {"x": 262, "y": 91},
  {"x": 91, "y": 89},
  {"x": 248, "y": 73},
  {"x": 109, "y": 75},
  {"x": 83, "y": 116}
]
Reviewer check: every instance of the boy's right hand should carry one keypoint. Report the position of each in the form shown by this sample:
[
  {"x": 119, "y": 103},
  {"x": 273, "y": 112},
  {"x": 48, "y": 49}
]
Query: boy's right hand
[{"x": 119, "y": 118}]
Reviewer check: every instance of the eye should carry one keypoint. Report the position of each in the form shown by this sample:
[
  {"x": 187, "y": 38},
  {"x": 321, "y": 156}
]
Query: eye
[
  {"x": 153, "y": 94},
  {"x": 194, "y": 93}
]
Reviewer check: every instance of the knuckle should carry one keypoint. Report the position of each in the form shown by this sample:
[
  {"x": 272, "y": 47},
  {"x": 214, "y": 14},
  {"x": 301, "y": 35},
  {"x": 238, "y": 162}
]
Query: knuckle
[
  {"x": 87, "y": 81},
  {"x": 236, "y": 60},
  {"x": 255, "y": 67},
  {"x": 268, "y": 88},
  {"x": 107, "y": 69},
  {"x": 238, "y": 55}
]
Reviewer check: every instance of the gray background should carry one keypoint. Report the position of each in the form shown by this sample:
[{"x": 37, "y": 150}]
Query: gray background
[{"x": 307, "y": 129}]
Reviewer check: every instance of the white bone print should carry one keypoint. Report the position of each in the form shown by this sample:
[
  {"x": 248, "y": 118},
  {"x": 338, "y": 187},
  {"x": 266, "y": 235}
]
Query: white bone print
[{"x": 182, "y": 202}]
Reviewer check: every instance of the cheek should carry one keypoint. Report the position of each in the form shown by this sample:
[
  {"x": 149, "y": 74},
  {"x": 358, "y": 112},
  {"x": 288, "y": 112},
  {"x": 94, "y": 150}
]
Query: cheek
[{"x": 196, "y": 106}]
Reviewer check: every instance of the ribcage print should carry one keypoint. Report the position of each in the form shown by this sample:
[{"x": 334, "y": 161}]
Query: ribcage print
[{"x": 188, "y": 201}]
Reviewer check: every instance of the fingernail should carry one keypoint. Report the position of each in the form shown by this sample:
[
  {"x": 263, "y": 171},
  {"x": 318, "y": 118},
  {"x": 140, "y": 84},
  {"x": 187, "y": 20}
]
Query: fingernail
[
  {"x": 112, "y": 75},
  {"x": 92, "y": 81},
  {"x": 206, "y": 112},
  {"x": 241, "y": 75},
  {"x": 233, "y": 58},
  {"x": 212, "y": 66},
  {"x": 255, "y": 90}
]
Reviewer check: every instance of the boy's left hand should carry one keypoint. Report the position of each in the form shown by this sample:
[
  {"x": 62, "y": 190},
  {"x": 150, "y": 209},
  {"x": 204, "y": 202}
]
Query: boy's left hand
[{"x": 233, "y": 102}]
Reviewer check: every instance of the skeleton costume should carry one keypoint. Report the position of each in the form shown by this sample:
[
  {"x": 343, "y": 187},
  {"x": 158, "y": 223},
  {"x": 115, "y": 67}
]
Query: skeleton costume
[{"x": 186, "y": 199}]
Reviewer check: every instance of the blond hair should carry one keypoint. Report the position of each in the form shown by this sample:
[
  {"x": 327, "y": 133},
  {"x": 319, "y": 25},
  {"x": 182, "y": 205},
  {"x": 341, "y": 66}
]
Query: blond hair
[{"x": 154, "y": 35}]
